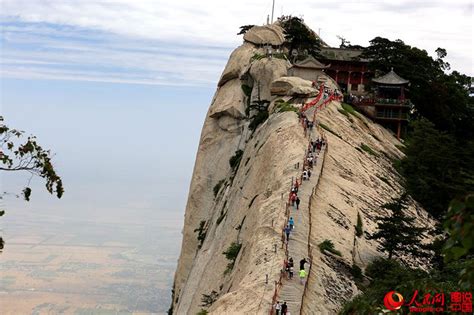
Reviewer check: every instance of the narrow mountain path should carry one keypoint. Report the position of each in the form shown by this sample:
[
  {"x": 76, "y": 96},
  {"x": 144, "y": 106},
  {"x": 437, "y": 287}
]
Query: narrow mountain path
[{"x": 292, "y": 290}]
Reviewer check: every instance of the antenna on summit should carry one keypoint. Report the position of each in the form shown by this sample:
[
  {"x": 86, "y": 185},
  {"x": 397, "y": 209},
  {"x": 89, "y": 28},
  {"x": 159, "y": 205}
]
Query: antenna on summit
[{"x": 273, "y": 9}]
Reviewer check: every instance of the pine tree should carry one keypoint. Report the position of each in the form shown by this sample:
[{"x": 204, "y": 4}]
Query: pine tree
[
  {"x": 397, "y": 233},
  {"x": 299, "y": 36}
]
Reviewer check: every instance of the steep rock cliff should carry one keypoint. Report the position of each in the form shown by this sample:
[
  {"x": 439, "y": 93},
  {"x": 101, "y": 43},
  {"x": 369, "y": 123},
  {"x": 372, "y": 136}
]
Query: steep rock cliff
[{"x": 245, "y": 203}]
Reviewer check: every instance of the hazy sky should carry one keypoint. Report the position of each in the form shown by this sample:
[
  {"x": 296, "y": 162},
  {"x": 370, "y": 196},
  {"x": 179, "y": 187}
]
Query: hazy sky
[
  {"x": 119, "y": 88},
  {"x": 187, "y": 42}
]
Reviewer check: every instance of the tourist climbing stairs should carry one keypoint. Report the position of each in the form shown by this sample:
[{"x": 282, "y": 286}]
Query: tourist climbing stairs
[{"x": 292, "y": 290}]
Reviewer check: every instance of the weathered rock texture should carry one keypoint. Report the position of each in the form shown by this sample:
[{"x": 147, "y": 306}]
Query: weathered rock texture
[
  {"x": 246, "y": 205},
  {"x": 353, "y": 181},
  {"x": 266, "y": 34},
  {"x": 292, "y": 86}
]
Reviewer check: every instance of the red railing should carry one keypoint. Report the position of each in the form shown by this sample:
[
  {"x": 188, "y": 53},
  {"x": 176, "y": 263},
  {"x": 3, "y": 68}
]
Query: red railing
[
  {"x": 310, "y": 249},
  {"x": 315, "y": 101},
  {"x": 332, "y": 97},
  {"x": 279, "y": 283}
]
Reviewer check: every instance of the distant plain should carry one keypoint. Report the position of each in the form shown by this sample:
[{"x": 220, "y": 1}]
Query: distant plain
[{"x": 56, "y": 266}]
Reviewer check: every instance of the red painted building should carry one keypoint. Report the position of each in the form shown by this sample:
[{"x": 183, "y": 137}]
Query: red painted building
[
  {"x": 347, "y": 68},
  {"x": 389, "y": 104}
]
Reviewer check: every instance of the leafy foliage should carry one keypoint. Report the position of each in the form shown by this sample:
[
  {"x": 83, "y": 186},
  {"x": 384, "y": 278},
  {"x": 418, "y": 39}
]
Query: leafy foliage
[
  {"x": 231, "y": 254},
  {"x": 217, "y": 187},
  {"x": 397, "y": 233},
  {"x": 244, "y": 29},
  {"x": 29, "y": 157},
  {"x": 282, "y": 106},
  {"x": 439, "y": 161},
  {"x": 208, "y": 299},
  {"x": 256, "y": 56},
  {"x": 247, "y": 90},
  {"x": 349, "y": 109},
  {"x": 233, "y": 250},
  {"x": 280, "y": 56},
  {"x": 20, "y": 155},
  {"x": 356, "y": 272},
  {"x": 359, "y": 228},
  {"x": 299, "y": 36},
  {"x": 234, "y": 161},
  {"x": 441, "y": 98},
  {"x": 202, "y": 231},
  {"x": 437, "y": 167},
  {"x": 258, "y": 119},
  {"x": 388, "y": 275},
  {"x": 328, "y": 245},
  {"x": 455, "y": 275},
  {"x": 261, "y": 106},
  {"x": 460, "y": 228},
  {"x": 342, "y": 111},
  {"x": 368, "y": 149}
]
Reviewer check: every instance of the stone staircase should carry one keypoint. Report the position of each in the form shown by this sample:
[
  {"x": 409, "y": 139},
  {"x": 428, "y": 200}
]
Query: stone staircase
[{"x": 292, "y": 290}]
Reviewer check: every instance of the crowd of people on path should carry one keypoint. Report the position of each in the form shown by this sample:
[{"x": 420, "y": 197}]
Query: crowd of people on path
[
  {"x": 282, "y": 308},
  {"x": 289, "y": 269},
  {"x": 314, "y": 148},
  {"x": 311, "y": 156}
]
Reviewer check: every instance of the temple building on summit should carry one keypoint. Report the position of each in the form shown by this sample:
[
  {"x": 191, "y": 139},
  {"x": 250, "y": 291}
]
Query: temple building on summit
[
  {"x": 309, "y": 69},
  {"x": 389, "y": 104},
  {"x": 347, "y": 68},
  {"x": 385, "y": 102}
]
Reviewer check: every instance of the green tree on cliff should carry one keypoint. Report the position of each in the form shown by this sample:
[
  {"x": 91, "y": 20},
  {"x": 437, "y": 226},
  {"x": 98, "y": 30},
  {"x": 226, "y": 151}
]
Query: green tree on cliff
[
  {"x": 437, "y": 167},
  {"x": 299, "y": 36},
  {"x": 439, "y": 161},
  {"x": 459, "y": 226},
  {"x": 440, "y": 97},
  {"x": 397, "y": 234},
  {"x": 244, "y": 29}
]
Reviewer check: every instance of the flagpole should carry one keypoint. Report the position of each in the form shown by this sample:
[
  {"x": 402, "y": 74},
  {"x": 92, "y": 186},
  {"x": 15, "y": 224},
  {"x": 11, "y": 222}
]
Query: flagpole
[{"x": 273, "y": 9}]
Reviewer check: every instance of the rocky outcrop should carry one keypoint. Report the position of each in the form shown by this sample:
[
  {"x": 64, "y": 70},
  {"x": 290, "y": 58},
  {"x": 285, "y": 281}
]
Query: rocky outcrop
[
  {"x": 263, "y": 73},
  {"x": 219, "y": 193},
  {"x": 266, "y": 34},
  {"x": 238, "y": 61},
  {"x": 354, "y": 182},
  {"x": 228, "y": 100},
  {"x": 292, "y": 86}
]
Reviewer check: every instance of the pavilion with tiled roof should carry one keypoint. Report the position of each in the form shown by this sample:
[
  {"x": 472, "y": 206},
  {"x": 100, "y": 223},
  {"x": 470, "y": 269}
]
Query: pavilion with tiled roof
[
  {"x": 389, "y": 105},
  {"x": 391, "y": 78},
  {"x": 308, "y": 69}
]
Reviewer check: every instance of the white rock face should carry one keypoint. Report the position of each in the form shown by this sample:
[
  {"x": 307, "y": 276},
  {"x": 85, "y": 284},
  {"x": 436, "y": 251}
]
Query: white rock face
[
  {"x": 353, "y": 182},
  {"x": 292, "y": 86},
  {"x": 266, "y": 34},
  {"x": 224, "y": 132},
  {"x": 263, "y": 73},
  {"x": 238, "y": 61},
  {"x": 253, "y": 201},
  {"x": 228, "y": 101}
]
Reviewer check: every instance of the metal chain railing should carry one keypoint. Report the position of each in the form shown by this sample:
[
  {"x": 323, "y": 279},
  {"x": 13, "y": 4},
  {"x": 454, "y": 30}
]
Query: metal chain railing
[
  {"x": 294, "y": 182},
  {"x": 310, "y": 248},
  {"x": 279, "y": 283}
]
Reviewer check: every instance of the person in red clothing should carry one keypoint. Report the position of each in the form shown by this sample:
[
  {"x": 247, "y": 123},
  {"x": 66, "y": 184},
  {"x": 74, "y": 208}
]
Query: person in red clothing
[{"x": 293, "y": 198}]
